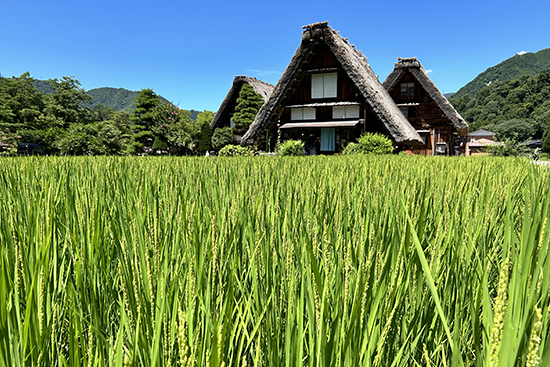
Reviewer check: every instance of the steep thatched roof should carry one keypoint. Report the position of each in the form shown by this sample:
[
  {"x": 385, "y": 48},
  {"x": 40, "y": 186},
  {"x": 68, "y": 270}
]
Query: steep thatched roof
[
  {"x": 358, "y": 70},
  {"x": 413, "y": 66},
  {"x": 260, "y": 87}
]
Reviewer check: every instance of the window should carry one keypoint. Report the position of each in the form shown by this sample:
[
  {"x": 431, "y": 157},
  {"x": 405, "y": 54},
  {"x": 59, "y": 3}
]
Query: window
[
  {"x": 345, "y": 112},
  {"x": 405, "y": 111},
  {"x": 302, "y": 113},
  {"x": 407, "y": 90},
  {"x": 324, "y": 85}
]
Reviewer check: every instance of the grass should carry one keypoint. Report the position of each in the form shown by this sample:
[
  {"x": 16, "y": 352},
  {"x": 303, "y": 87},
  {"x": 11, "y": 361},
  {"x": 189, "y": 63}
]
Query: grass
[{"x": 306, "y": 261}]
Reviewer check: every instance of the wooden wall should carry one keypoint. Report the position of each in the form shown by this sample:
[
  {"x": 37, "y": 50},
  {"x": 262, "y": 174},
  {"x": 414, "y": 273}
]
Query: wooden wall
[
  {"x": 426, "y": 115},
  {"x": 324, "y": 59}
]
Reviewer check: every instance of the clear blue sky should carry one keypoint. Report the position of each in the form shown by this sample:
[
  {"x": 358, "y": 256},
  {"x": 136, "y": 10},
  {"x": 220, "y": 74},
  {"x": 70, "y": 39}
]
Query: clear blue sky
[{"x": 189, "y": 52}]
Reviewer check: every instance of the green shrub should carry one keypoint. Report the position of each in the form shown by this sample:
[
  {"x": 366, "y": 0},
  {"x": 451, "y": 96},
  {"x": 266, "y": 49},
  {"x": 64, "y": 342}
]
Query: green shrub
[
  {"x": 375, "y": 143},
  {"x": 507, "y": 147},
  {"x": 235, "y": 150},
  {"x": 223, "y": 136},
  {"x": 352, "y": 148},
  {"x": 291, "y": 148},
  {"x": 159, "y": 144}
]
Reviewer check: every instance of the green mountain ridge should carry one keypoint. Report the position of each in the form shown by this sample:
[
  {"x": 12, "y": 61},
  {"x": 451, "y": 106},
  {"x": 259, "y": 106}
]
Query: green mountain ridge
[
  {"x": 518, "y": 108},
  {"x": 118, "y": 98},
  {"x": 513, "y": 68}
]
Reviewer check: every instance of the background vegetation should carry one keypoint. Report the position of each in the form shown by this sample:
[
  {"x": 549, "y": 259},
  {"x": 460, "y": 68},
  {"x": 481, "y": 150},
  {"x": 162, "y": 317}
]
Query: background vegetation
[
  {"x": 64, "y": 119},
  {"x": 315, "y": 261},
  {"x": 516, "y": 109},
  {"x": 528, "y": 64}
]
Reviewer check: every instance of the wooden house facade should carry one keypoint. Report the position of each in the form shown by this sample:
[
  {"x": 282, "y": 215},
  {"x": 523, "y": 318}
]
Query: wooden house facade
[
  {"x": 223, "y": 116},
  {"x": 442, "y": 129},
  {"x": 328, "y": 95}
]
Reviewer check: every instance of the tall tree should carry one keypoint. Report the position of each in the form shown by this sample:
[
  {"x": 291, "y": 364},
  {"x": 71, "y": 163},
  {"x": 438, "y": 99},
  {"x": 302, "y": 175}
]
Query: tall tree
[
  {"x": 67, "y": 104},
  {"x": 248, "y": 105},
  {"x": 142, "y": 119},
  {"x": 19, "y": 102},
  {"x": 205, "y": 137}
]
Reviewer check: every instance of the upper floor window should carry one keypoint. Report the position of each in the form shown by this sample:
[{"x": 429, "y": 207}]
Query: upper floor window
[
  {"x": 324, "y": 85},
  {"x": 302, "y": 113},
  {"x": 345, "y": 112},
  {"x": 407, "y": 90}
]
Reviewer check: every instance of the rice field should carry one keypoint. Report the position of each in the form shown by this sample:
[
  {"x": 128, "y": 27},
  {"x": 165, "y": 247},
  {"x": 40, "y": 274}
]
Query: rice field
[{"x": 261, "y": 261}]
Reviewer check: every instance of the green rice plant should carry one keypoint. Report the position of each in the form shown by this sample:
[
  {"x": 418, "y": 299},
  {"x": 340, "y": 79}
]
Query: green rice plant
[{"x": 261, "y": 261}]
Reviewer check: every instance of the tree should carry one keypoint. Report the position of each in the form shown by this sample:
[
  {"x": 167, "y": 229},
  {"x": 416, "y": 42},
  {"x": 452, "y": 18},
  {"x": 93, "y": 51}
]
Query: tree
[
  {"x": 66, "y": 105},
  {"x": 19, "y": 102},
  {"x": 143, "y": 114},
  {"x": 519, "y": 130},
  {"x": 546, "y": 142},
  {"x": 142, "y": 119},
  {"x": 20, "y": 107},
  {"x": 222, "y": 137},
  {"x": 508, "y": 146},
  {"x": 182, "y": 133},
  {"x": 205, "y": 136},
  {"x": 164, "y": 116},
  {"x": 248, "y": 105},
  {"x": 102, "y": 112}
]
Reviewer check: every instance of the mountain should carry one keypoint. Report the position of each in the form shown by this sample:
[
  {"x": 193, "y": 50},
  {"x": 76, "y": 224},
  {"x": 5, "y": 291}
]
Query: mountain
[
  {"x": 43, "y": 86},
  {"x": 119, "y": 98},
  {"x": 510, "y": 69},
  {"x": 519, "y": 107}
]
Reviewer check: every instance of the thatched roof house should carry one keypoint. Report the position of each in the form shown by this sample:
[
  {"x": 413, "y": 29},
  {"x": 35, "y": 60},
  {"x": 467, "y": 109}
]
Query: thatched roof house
[
  {"x": 225, "y": 112},
  {"x": 424, "y": 105},
  {"x": 329, "y": 87}
]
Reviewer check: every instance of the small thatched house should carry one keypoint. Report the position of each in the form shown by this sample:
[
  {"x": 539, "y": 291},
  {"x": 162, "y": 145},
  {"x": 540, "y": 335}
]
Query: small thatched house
[
  {"x": 223, "y": 117},
  {"x": 328, "y": 93},
  {"x": 442, "y": 129}
]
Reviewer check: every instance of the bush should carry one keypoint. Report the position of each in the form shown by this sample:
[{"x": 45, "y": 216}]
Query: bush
[
  {"x": 507, "y": 147},
  {"x": 352, "y": 148},
  {"x": 235, "y": 150},
  {"x": 291, "y": 148},
  {"x": 370, "y": 143},
  {"x": 223, "y": 136},
  {"x": 159, "y": 144},
  {"x": 546, "y": 142},
  {"x": 375, "y": 143}
]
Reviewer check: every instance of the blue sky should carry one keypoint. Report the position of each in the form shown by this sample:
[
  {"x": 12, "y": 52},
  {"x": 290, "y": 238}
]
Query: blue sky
[{"x": 189, "y": 52}]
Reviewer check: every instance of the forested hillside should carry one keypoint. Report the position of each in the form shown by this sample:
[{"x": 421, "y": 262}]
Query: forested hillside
[
  {"x": 510, "y": 69},
  {"x": 118, "y": 98},
  {"x": 517, "y": 108}
]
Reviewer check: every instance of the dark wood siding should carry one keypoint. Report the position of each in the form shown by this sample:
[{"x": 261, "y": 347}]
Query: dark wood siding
[
  {"x": 426, "y": 115},
  {"x": 324, "y": 61}
]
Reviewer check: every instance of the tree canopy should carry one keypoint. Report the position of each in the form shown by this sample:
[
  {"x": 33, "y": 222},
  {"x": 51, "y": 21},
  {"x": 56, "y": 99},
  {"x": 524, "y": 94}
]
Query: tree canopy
[
  {"x": 62, "y": 120},
  {"x": 518, "y": 108},
  {"x": 248, "y": 105}
]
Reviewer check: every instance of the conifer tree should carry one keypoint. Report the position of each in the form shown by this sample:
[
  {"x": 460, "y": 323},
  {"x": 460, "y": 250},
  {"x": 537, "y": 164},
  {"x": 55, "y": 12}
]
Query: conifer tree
[
  {"x": 142, "y": 119},
  {"x": 248, "y": 105}
]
